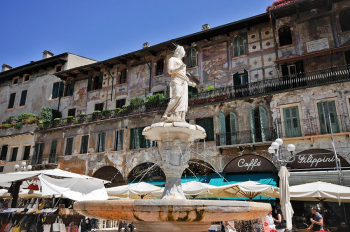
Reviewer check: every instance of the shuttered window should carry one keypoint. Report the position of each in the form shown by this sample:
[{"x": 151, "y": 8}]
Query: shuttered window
[
  {"x": 137, "y": 140},
  {"x": 119, "y": 138},
  {"x": 98, "y": 82},
  {"x": 84, "y": 144},
  {"x": 14, "y": 154},
  {"x": 53, "y": 151},
  {"x": 291, "y": 122},
  {"x": 12, "y": 100},
  {"x": 222, "y": 129},
  {"x": 191, "y": 60},
  {"x": 23, "y": 98},
  {"x": 57, "y": 90},
  {"x": 123, "y": 75},
  {"x": 4, "y": 152},
  {"x": 208, "y": 125},
  {"x": 328, "y": 118},
  {"x": 285, "y": 36},
  {"x": 26, "y": 152},
  {"x": 70, "y": 88},
  {"x": 38, "y": 153},
  {"x": 239, "y": 46},
  {"x": 101, "y": 137},
  {"x": 160, "y": 67},
  {"x": 69, "y": 146}
]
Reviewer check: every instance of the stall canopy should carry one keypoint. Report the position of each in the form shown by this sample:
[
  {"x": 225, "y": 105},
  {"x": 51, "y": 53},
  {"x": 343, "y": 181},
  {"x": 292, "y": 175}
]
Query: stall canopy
[
  {"x": 4, "y": 194},
  {"x": 136, "y": 190}
]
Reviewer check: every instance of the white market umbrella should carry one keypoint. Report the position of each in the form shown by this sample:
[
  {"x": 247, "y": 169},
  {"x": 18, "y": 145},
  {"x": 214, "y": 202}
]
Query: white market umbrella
[
  {"x": 25, "y": 193},
  {"x": 4, "y": 193},
  {"x": 136, "y": 190},
  {"x": 284, "y": 195}
]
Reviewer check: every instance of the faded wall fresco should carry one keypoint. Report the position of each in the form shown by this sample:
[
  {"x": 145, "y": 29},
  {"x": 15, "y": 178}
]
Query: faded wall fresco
[{"x": 139, "y": 80}]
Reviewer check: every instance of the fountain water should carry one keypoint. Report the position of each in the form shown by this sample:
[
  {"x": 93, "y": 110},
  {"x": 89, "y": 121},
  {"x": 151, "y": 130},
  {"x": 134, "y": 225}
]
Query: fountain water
[{"x": 173, "y": 212}]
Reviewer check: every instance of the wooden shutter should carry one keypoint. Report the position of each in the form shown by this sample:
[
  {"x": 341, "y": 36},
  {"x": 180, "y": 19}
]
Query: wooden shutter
[
  {"x": 12, "y": 100},
  {"x": 236, "y": 79},
  {"x": 241, "y": 46},
  {"x": 41, "y": 152},
  {"x": 193, "y": 57},
  {"x": 245, "y": 77},
  {"x": 322, "y": 118},
  {"x": 222, "y": 129},
  {"x": 35, "y": 155},
  {"x": 61, "y": 89},
  {"x": 233, "y": 128},
  {"x": 89, "y": 82},
  {"x": 26, "y": 152},
  {"x": 119, "y": 140},
  {"x": 71, "y": 88},
  {"x": 4, "y": 152},
  {"x": 132, "y": 139},
  {"x": 235, "y": 47},
  {"x": 292, "y": 122},
  {"x": 188, "y": 57},
  {"x": 264, "y": 124},
  {"x": 55, "y": 90},
  {"x": 23, "y": 98},
  {"x": 14, "y": 154},
  {"x": 100, "y": 81},
  {"x": 332, "y": 111},
  {"x": 143, "y": 141},
  {"x": 69, "y": 146},
  {"x": 52, "y": 157},
  {"x": 84, "y": 144},
  {"x": 252, "y": 124},
  {"x": 209, "y": 129},
  {"x": 103, "y": 140}
]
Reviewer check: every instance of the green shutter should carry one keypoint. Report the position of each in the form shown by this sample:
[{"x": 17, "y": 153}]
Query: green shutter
[
  {"x": 193, "y": 57},
  {"x": 41, "y": 151},
  {"x": 53, "y": 151},
  {"x": 70, "y": 88},
  {"x": 245, "y": 77},
  {"x": 84, "y": 144},
  {"x": 332, "y": 111},
  {"x": 222, "y": 129},
  {"x": 23, "y": 98},
  {"x": 100, "y": 81},
  {"x": 264, "y": 125},
  {"x": 89, "y": 82},
  {"x": 55, "y": 90},
  {"x": 35, "y": 155},
  {"x": 292, "y": 122},
  {"x": 132, "y": 139},
  {"x": 103, "y": 140},
  {"x": 188, "y": 58},
  {"x": 233, "y": 127},
  {"x": 61, "y": 89},
  {"x": 236, "y": 79},
  {"x": 252, "y": 124},
  {"x": 69, "y": 146},
  {"x": 143, "y": 140},
  {"x": 322, "y": 118},
  {"x": 119, "y": 140}
]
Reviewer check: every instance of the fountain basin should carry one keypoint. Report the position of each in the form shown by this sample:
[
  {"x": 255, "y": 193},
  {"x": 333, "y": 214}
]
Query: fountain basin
[{"x": 172, "y": 215}]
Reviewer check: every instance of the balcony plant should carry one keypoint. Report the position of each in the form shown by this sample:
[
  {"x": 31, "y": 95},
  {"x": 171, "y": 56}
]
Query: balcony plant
[
  {"x": 18, "y": 125},
  {"x": 5, "y": 125},
  {"x": 135, "y": 104},
  {"x": 156, "y": 101},
  {"x": 210, "y": 90},
  {"x": 70, "y": 119},
  {"x": 96, "y": 115},
  {"x": 30, "y": 120},
  {"x": 106, "y": 113},
  {"x": 82, "y": 117},
  {"x": 10, "y": 119},
  {"x": 23, "y": 116},
  {"x": 57, "y": 122}
]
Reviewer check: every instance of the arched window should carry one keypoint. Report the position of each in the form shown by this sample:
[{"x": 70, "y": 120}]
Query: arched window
[
  {"x": 228, "y": 127},
  {"x": 122, "y": 78},
  {"x": 160, "y": 67},
  {"x": 239, "y": 46},
  {"x": 285, "y": 36},
  {"x": 344, "y": 18},
  {"x": 259, "y": 124}
]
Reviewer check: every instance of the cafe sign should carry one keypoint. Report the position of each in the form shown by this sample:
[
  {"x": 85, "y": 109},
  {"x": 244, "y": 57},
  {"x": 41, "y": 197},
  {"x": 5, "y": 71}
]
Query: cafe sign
[{"x": 249, "y": 163}]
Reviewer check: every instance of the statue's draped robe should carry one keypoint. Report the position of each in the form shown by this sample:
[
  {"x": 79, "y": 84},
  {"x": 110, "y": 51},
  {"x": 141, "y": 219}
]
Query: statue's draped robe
[{"x": 178, "y": 104}]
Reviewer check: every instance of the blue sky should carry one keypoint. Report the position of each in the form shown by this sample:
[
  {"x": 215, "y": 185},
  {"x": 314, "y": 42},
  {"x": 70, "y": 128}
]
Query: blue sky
[{"x": 107, "y": 28}]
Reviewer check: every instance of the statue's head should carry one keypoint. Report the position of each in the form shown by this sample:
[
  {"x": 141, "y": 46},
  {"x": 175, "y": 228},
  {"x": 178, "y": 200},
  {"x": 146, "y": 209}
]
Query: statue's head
[{"x": 179, "y": 51}]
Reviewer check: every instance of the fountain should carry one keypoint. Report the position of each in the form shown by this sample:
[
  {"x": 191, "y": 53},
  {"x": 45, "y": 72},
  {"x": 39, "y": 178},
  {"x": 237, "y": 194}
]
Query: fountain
[{"x": 173, "y": 212}]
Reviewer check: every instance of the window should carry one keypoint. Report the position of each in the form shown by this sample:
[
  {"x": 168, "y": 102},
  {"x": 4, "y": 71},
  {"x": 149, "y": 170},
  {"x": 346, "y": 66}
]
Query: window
[
  {"x": 347, "y": 57},
  {"x": 69, "y": 146},
  {"x": 57, "y": 90},
  {"x": 160, "y": 67},
  {"x": 53, "y": 151},
  {"x": 26, "y": 77},
  {"x": 70, "y": 88},
  {"x": 120, "y": 103},
  {"x": 191, "y": 59},
  {"x": 344, "y": 18},
  {"x": 294, "y": 72},
  {"x": 208, "y": 125},
  {"x": 228, "y": 127},
  {"x": 285, "y": 36},
  {"x": 101, "y": 142},
  {"x": 38, "y": 153},
  {"x": 239, "y": 46},
  {"x": 240, "y": 82},
  {"x": 137, "y": 140},
  {"x": 58, "y": 68},
  {"x": 26, "y": 152},
  {"x": 291, "y": 122},
  {"x": 99, "y": 106},
  {"x": 4, "y": 152},
  {"x": 259, "y": 125},
  {"x": 328, "y": 117},
  {"x": 14, "y": 154},
  {"x": 23, "y": 98},
  {"x": 15, "y": 80},
  {"x": 119, "y": 135},
  {"x": 1, "y": 168},
  {"x": 12, "y": 100},
  {"x": 95, "y": 83},
  {"x": 71, "y": 112},
  {"x": 84, "y": 144},
  {"x": 123, "y": 75}
]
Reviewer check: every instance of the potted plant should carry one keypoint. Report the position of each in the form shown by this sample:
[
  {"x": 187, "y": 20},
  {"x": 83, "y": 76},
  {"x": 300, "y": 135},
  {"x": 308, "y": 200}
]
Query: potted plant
[
  {"x": 155, "y": 101},
  {"x": 136, "y": 103},
  {"x": 96, "y": 115},
  {"x": 6, "y": 125},
  {"x": 106, "y": 113},
  {"x": 82, "y": 118},
  {"x": 70, "y": 119},
  {"x": 57, "y": 122}
]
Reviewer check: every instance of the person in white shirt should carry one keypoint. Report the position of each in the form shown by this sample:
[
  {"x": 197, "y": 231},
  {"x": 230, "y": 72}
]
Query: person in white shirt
[{"x": 269, "y": 222}]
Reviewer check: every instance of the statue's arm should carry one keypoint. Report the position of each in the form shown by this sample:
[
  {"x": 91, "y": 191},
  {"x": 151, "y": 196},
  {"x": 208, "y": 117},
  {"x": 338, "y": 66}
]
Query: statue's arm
[{"x": 174, "y": 66}]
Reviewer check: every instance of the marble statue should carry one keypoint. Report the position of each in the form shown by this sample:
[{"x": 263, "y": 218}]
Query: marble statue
[{"x": 178, "y": 105}]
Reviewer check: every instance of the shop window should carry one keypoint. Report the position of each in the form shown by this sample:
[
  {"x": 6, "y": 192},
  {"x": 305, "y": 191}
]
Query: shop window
[
  {"x": 70, "y": 88},
  {"x": 291, "y": 122},
  {"x": 120, "y": 103},
  {"x": 239, "y": 48},
  {"x": 208, "y": 125},
  {"x": 26, "y": 77},
  {"x": 95, "y": 83},
  {"x": 344, "y": 18},
  {"x": 137, "y": 140},
  {"x": 123, "y": 75},
  {"x": 58, "y": 68},
  {"x": 99, "y": 107},
  {"x": 38, "y": 153},
  {"x": 101, "y": 137},
  {"x": 69, "y": 146},
  {"x": 285, "y": 36},
  {"x": 4, "y": 152},
  {"x": 160, "y": 67},
  {"x": 53, "y": 152},
  {"x": 26, "y": 152},
  {"x": 84, "y": 144},
  {"x": 328, "y": 117},
  {"x": 71, "y": 112},
  {"x": 15, "y": 80},
  {"x": 12, "y": 100},
  {"x": 23, "y": 98},
  {"x": 191, "y": 59},
  {"x": 259, "y": 125},
  {"x": 57, "y": 90},
  {"x": 14, "y": 154},
  {"x": 119, "y": 135},
  {"x": 228, "y": 129}
]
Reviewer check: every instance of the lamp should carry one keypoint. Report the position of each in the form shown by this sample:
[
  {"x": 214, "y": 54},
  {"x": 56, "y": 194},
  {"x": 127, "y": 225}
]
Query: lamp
[
  {"x": 16, "y": 167},
  {"x": 276, "y": 149}
]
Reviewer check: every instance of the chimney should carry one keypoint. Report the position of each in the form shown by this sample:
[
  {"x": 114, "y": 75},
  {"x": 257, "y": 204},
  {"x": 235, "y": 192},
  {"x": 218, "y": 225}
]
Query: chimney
[
  {"x": 145, "y": 45},
  {"x": 205, "y": 27},
  {"x": 5, "y": 67},
  {"x": 47, "y": 54}
]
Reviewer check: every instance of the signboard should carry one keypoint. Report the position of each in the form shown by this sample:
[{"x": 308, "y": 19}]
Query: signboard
[
  {"x": 317, "y": 158},
  {"x": 249, "y": 163},
  {"x": 317, "y": 45},
  {"x": 146, "y": 171}
]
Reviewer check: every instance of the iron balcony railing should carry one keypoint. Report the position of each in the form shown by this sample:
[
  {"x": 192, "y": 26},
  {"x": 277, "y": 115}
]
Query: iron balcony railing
[
  {"x": 285, "y": 83},
  {"x": 249, "y": 136},
  {"x": 313, "y": 126}
]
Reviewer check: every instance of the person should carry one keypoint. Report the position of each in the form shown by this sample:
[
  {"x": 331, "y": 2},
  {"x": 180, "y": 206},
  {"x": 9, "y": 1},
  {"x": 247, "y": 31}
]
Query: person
[
  {"x": 278, "y": 219},
  {"x": 269, "y": 224},
  {"x": 93, "y": 224},
  {"x": 178, "y": 104},
  {"x": 316, "y": 221},
  {"x": 229, "y": 226},
  {"x": 343, "y": 228}
]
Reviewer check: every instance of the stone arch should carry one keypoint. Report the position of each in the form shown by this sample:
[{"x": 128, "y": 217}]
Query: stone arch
[
  {"x": 110, "y": 173},
  {"x": 198, "y": 167},
  {"x": 265, "y": 157},
  {"x": 146, "y": 171}
]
